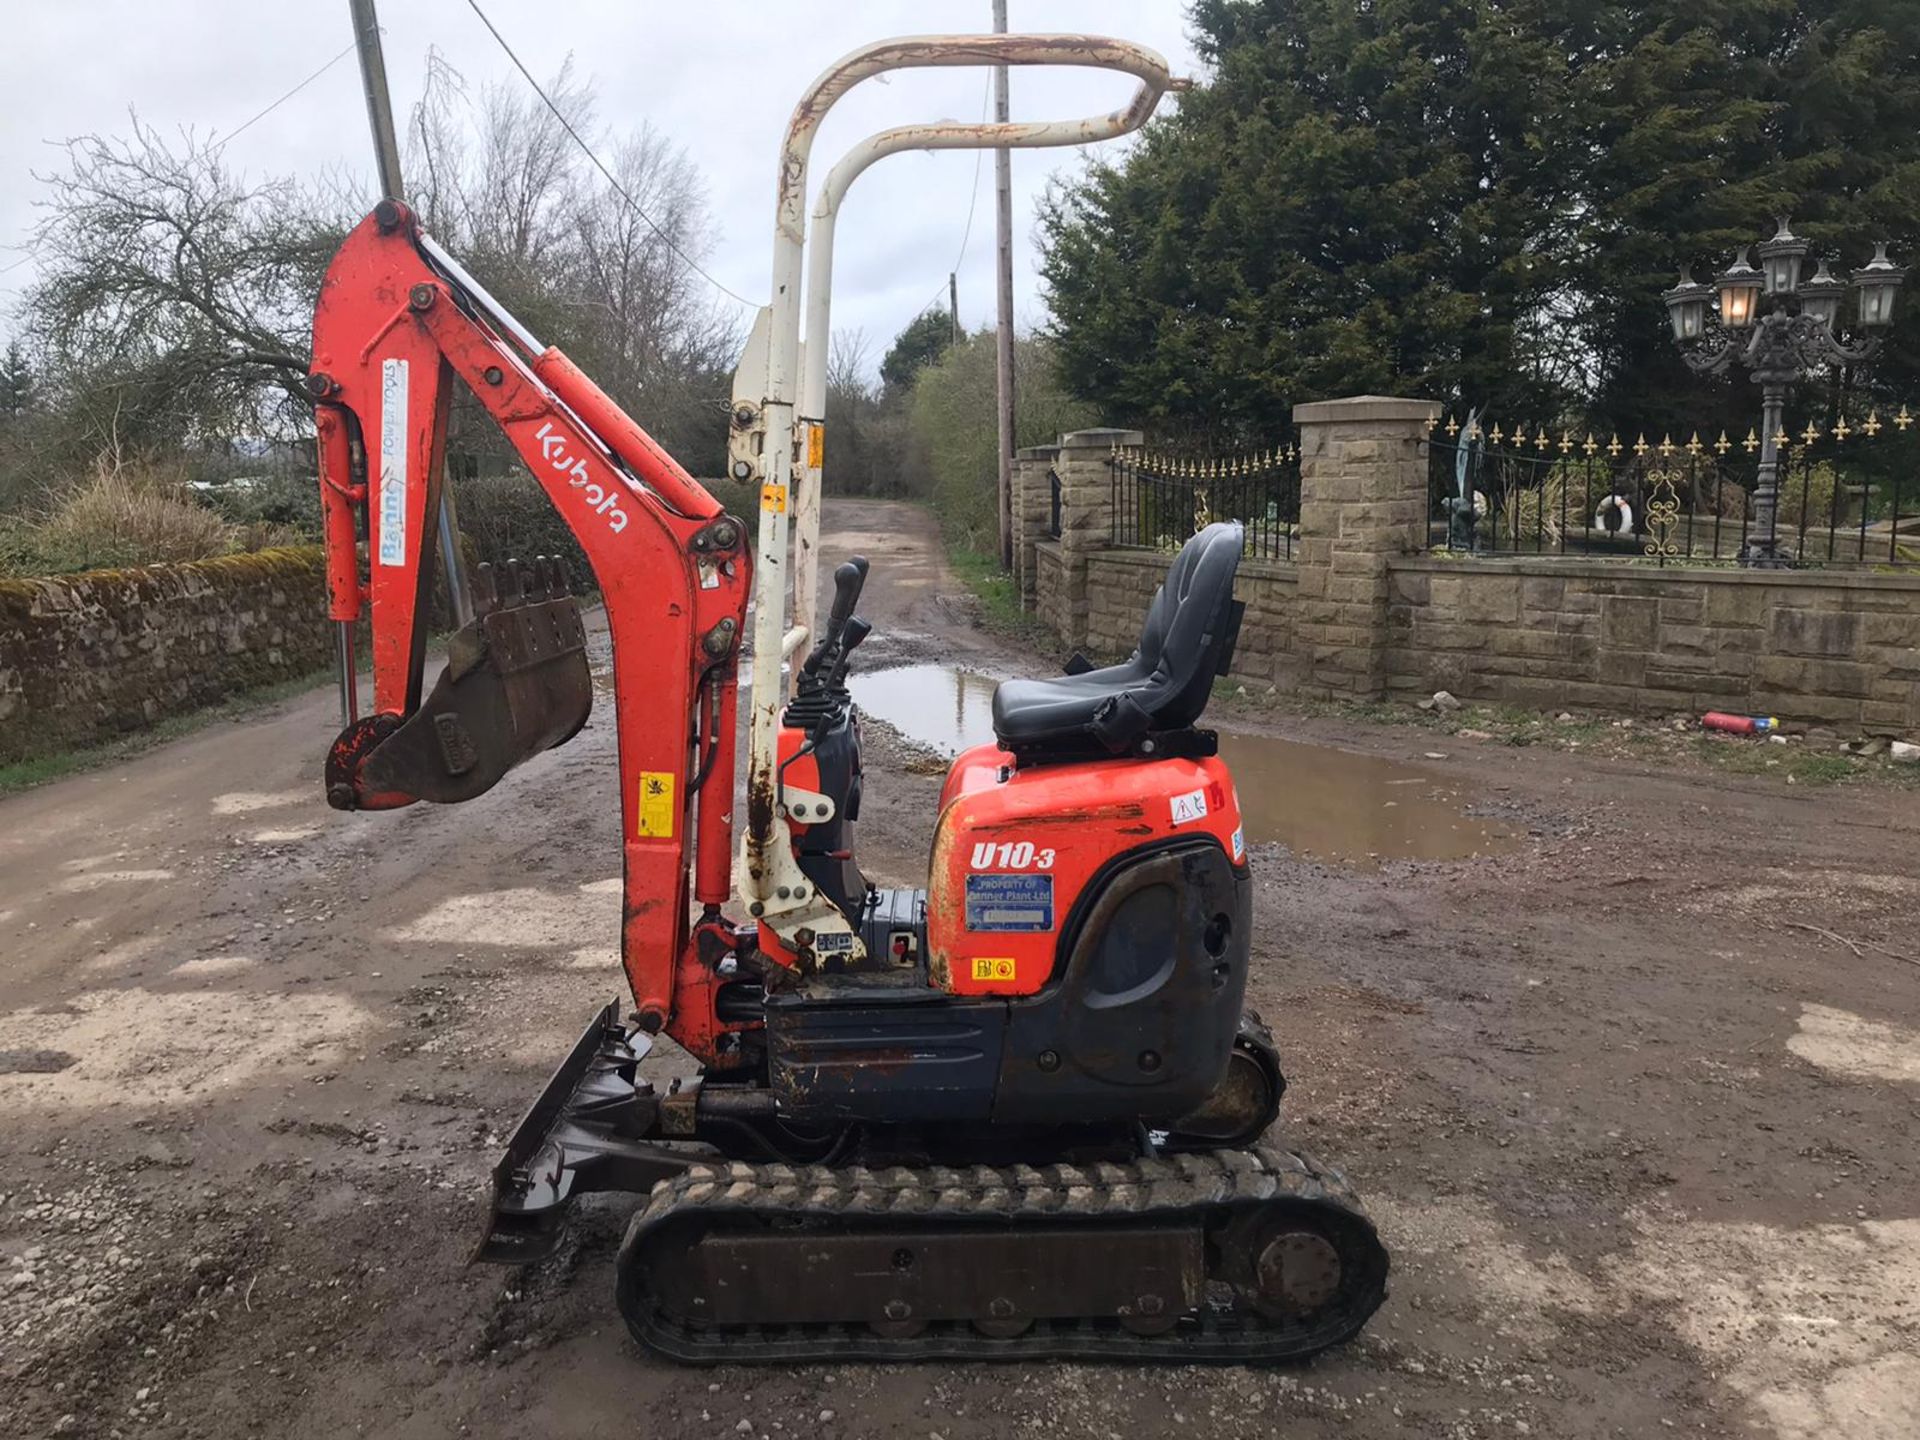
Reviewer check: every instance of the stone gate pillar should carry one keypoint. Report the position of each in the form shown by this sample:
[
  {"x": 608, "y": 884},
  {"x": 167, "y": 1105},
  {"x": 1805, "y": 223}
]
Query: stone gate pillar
[
  {"x": 1032, "y": 506},
  {"x": 1363, "y": 499},
  {"x": 1086, "y": 517}
]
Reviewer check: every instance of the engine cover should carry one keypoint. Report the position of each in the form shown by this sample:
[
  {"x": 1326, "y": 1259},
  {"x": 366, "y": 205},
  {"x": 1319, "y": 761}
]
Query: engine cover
[
  {"x": 1141, "y": 1021},
  {"x": 1016, "y": 852}
]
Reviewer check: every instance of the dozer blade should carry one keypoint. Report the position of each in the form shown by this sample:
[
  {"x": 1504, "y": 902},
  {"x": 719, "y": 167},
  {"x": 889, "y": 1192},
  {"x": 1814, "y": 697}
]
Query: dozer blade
[
  {"x": 516, "y": 683},
  {"x": 584, "y": 1133}
]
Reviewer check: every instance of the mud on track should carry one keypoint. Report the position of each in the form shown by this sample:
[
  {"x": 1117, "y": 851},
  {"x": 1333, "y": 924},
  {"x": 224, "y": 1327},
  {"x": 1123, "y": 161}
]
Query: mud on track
[{"x": 1645, "y": 1153}]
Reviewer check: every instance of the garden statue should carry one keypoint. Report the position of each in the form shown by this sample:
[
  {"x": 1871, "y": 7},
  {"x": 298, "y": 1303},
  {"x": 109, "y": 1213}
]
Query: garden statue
[{"x": 1463, "y": 511}]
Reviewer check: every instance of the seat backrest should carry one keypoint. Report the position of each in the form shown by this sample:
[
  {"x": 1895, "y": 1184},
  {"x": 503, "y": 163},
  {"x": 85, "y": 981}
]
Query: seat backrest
[{"x": 1188, "y": 626}]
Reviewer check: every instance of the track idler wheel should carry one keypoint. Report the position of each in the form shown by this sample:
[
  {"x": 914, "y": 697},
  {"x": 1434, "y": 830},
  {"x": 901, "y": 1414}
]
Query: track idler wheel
[
  {"x": 1247, "y": 1099},
  {"x": 1298, "y": 1272},
  {"x": 1286, "y": 1266}
]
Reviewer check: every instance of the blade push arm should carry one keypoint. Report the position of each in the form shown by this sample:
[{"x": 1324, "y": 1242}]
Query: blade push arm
[{"x": 397, "y": 321}]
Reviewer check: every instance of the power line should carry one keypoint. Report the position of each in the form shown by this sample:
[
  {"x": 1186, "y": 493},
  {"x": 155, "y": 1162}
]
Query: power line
[
  {"x": 587, "y": 150},
  {"x": 229, "y": 139},
  {"x": 283, "y": 99},
  {"x": 973, "y": 200},
  {"x": 979, "y": 154}
]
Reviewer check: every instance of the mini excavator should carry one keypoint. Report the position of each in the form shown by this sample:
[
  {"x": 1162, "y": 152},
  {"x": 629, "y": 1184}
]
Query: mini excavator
[{"x": 1018, "y": 1114}]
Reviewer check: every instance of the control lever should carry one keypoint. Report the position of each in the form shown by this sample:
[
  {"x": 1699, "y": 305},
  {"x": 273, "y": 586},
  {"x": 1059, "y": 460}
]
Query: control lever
[
  {"x": 856, "y": 630},
  {"x": 821, "y": 688},
  {"x": 847, "y": 583}
]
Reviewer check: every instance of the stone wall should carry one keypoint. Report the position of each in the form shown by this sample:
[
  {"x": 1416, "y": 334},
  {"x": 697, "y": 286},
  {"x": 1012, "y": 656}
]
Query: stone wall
[
  {"x": 1120, "y": 586},
  {"x": 84, "y": 658},
  {"x": 1363, "y": 501},
  {"x": 1832, "y": 646},
  {"x": 1269, "y": 650},
  {"x": 1361, "y": 613},
  {"x": 1052, "y": 597}
]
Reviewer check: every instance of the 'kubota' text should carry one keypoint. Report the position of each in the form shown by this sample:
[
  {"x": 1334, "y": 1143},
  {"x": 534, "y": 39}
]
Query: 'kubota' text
[{"x": 605, "y": 501}]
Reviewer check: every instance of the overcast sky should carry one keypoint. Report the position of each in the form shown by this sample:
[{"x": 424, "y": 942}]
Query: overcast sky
[{"x": 717, "y": 76}]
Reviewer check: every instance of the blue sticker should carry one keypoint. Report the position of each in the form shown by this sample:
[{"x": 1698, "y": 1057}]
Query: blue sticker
[{"x": 1009, "y": 902}]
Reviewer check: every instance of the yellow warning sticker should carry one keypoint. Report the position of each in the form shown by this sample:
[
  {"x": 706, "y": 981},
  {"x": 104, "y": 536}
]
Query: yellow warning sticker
[
  {"x": 992, "y": 969},
  {"x": 774, "y": 498},
  {"x": 816, "y": 446},
  {"x": 656, "y": 805}
]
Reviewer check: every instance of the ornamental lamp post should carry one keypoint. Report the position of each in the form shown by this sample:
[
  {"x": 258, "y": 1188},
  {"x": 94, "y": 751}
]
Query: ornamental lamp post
[
  {"x": 1687, "y": 305},
  {"x": 1877, "y": 280},
  {"x": 1778, "y": 327},
  {"x": 1739, "y": 286},
  {"x": 1820, "y": 297}
]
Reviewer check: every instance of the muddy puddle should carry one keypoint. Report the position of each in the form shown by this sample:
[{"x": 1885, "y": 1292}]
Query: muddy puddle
[
  {"x": 937, "y": 705},
  {"x": 1319, "y": 802},
  {"x": 1355, "y": 809}
]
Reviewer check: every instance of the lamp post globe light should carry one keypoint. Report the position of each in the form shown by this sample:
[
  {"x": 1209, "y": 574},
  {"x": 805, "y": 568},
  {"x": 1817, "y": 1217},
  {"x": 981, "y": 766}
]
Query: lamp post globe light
[{"x": 1778, "y": 326}]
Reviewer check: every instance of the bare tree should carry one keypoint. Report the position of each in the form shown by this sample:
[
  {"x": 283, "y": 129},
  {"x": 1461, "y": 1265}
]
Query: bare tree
[
  {"x": 847, "y": 361},
  {"x": 644, "y": 320},
  {"x": 526, "y": 178},
  {"x": 436, "y": 150},
  {"x": 866, "y": 434},
  {"x": 175, "y": 299},
  {"x": 493, "y": 175},
  {"x": 601, "y": 269}
]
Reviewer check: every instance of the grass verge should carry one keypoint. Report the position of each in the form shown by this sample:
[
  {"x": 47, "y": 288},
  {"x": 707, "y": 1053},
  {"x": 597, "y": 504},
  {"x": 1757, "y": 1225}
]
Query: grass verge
[
  {"x": 999, "y": 597},
  {"x": 45, "y": 769}
]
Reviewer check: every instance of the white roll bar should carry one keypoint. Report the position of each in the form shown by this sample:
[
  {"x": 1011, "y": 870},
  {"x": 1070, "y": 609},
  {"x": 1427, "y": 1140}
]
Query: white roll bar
[
  {"x": 1135, "y": 60},
  {"x": 767, "y": 876}
]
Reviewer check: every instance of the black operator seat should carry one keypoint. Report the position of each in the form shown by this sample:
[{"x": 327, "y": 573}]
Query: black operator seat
[{"x": 1163, "y": 686}]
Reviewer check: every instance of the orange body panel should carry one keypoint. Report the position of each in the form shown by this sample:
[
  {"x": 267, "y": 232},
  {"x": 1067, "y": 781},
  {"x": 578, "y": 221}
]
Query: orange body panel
[
  {"x": 796, "y": 774},
  {"x": 1015, "y": 848}
]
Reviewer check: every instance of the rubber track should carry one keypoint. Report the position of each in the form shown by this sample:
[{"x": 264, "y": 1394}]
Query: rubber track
[{"x": 1212, "y": 1184}]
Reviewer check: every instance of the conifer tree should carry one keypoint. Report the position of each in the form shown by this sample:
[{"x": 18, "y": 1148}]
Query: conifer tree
[
  {"x": 1479, "y": 202},
  {"x": 1359, "y": 199}
]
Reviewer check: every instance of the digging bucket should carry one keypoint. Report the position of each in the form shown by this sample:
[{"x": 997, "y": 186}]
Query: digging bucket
[{"x": 515, "y": 684}]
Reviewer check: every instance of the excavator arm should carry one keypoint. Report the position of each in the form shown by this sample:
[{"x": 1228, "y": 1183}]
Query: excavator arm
[{"x": 397, "y": 322}]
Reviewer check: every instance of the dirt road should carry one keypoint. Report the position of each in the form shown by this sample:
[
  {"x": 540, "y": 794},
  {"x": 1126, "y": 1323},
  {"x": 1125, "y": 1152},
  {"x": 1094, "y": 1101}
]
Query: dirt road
[{"x": 1645, "y": 1151}]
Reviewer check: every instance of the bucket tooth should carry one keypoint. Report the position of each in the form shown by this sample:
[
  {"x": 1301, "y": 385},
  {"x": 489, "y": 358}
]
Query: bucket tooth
[{"x": 486, "y": 594}]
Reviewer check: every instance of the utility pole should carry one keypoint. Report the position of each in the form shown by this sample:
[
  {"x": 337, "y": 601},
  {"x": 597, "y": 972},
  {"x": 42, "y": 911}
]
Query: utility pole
[
  {"x": 953, "y": 306},
  {"x": 373, "y": 79},
  {"x": 386, "y": 154},
  {"x": 1003, "y": 232}
]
